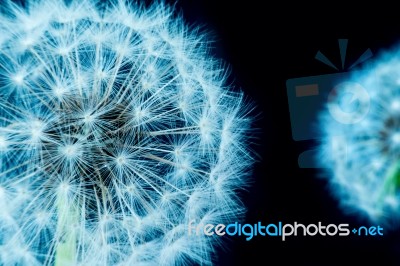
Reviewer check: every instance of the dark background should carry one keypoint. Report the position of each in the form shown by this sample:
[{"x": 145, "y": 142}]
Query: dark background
[{"x": 265, "y": 45}]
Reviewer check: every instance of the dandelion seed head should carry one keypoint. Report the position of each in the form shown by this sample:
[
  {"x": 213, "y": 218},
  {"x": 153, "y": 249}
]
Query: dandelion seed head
[
  {"x": 117, "y": 129},
  {"x": 362, "y": 158}
]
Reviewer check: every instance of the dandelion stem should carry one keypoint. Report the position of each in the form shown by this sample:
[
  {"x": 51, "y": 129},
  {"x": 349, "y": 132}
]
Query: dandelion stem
[
  {"x": 67, "y": 217},
  {"x": 392, "y": 182}
]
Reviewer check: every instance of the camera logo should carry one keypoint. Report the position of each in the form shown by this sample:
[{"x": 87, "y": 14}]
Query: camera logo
[
  {"x": 355, "y": 106},
  {"x": 309, "y": 95}
]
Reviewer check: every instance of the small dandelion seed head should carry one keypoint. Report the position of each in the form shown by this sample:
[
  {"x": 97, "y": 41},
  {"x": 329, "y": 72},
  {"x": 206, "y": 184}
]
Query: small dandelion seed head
[
  {"x": 70, "y": 150},
  {"x": 121, "y": 160},
  {"x": 395, "y": 138},
  {"x": 18, "y": 78},
  {"x": 59, "y": 91},
  {"x": 363, "y": 157},
  {"x": 395, "y": 105},
  {"x": 36, "y": 129},
  {"x": 3, "y": 143}
]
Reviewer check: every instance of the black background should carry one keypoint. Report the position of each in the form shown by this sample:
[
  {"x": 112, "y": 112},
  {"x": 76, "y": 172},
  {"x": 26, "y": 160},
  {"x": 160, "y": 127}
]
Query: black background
[{"x": 265, "y": 45}]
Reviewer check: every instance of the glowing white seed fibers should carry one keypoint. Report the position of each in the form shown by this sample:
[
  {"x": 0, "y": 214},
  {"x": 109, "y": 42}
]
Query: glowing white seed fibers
[
  {"x": 117, "y": 128},
  {"x": 363, "y": 157}
]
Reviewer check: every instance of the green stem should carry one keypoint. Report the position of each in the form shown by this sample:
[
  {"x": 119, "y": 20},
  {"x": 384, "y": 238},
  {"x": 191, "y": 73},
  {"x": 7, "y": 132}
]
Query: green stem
[
  {"x": 391, "y": 184},
  {"x": 67, "y": 218}
]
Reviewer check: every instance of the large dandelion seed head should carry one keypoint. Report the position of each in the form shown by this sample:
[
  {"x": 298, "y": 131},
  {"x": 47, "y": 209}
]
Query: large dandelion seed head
[
  {"x": 363, "y": 154},
  {"x": 117, "y": 129}
]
